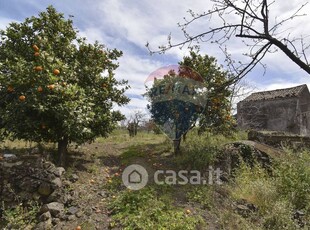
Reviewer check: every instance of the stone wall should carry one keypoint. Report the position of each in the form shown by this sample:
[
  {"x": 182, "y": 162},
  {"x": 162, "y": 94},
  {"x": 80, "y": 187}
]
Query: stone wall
[
  {"x": 31, "y": 178},
  {"x": 275, "y": 115}
]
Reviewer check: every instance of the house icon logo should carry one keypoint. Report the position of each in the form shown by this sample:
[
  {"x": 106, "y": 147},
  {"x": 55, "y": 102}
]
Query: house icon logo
[{"x": 135, "y": 177}]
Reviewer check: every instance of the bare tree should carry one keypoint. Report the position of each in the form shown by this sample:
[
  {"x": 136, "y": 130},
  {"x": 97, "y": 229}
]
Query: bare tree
[
  {"x": 133, "y": 122},
  {"x": 240, "y": 91},
  {"x": 250, "y": 21}
]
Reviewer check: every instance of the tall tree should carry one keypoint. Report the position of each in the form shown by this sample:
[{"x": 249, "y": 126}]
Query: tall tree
[
  {"x": 55, "y": 86},
  {"x": 193, "y": 94},
  {"x": 251, "y": 21},
  {"x": 216, "y": 116}
]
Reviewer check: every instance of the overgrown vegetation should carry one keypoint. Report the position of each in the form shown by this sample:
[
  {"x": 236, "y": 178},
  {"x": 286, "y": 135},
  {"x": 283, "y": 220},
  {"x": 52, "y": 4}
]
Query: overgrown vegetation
[
  {"x": 278, "y": 197},
  {"x": 200, "y": 151},
  {"x": 147, "y": 209},
  {"x": 19, "y": 217}
]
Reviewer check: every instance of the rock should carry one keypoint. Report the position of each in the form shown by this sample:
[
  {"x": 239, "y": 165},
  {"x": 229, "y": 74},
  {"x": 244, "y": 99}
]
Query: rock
[
  {"x": 245, "y": 209},
  {"x": 35, "y": 150},
  {"x": 72, "y": 210},
  {"x": 9, "y": 156},
  {"x": 55, "y": 208},
  {"x": 36, "y": 196},
  {"x": 74, "y": 178},
  {"x": 71, "y": 217},
  {"x": 59, "y": 195},
  {"x": 55, "y": 221},
  {"x": 45, "y": 216},
  {"x": 57, "y": 182},
  {"x": 25, "y": 196},
  {"x": 59, "y": 171},
  {"x": 45, "y": 189},
  {"x": 299, "y": 213},
  {"x": 45, "y": 225},
  {"x": 242, "y": 207},
  {"x": 47, "y": 165},
  {"x": 103, "y": 194},
  {"x": 69, "y": 199},
  {"x": 29, "y": 227},
  {"x": 252, "y": 207},
  {"x": 10, "y": 165},
  {"x": 79, "y": 214}
]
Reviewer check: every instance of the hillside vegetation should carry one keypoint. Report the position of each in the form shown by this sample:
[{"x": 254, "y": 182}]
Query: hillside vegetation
[{"x": 251, "y": 198}]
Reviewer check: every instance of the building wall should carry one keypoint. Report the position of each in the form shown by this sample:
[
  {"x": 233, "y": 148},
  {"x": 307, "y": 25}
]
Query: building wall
[
  {"x": 305, "y": 112},
  {"x": 276, "y": 115}
]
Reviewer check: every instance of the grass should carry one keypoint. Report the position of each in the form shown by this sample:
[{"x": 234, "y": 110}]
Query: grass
[
  {"x": 122, "y": 136},
  {"x": 20, "y": 217},
  {"x": 200, "y": 151},
  {"x": 147, "y": 209},
  {"x": 277, "y": 194}
]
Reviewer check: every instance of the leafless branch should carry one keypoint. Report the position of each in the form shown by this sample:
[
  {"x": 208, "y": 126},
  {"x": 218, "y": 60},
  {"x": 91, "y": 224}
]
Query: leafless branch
[{"x": 254, "y": 26}]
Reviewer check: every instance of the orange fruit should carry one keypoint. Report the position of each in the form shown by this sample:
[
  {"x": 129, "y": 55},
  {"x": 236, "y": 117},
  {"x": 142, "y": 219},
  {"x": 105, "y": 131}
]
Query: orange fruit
[
  {"x": 51, "y": 87},
  {"x": 22, "y": 98},
  {"x": 56, "y": 71},
  {"x": 38, "y": 68},
  {"x": 36, "y": 48},
  {"x": 36, "y": 54},
  {"x": 40, "y": 89},
  {"x": 78, "y": 228},
  {"x": 10, "y": 89}
]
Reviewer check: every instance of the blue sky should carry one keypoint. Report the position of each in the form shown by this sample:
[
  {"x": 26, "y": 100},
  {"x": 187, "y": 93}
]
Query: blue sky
[{"x": 128, "y": 25}]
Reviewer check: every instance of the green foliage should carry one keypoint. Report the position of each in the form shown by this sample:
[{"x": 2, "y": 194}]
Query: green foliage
[
  {"x": 254, "y": 185},
  {"x": 20, "y": 217},
  {"x": 293, "y": 177},
  {"x": 277, "y": 197},
  {"x": 213, "y": 112},
  {"x": 175, "y": 101},
  {"x": 54, "y": 85},
  {"x": 200, "y": 151},
  {"x": 279, "y": 217},
  {"x": 216, "y": 116},
  {"x": 202, "y": 195},
  {"x": 144, "y": 209}
]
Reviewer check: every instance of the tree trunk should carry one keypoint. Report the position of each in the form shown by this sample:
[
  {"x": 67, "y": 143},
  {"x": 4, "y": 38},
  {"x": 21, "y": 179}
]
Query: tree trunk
[
  {"x": 184, "y": 137},
  {"x": 176, "y": 144},
  {"x": 62, "y": 151}
]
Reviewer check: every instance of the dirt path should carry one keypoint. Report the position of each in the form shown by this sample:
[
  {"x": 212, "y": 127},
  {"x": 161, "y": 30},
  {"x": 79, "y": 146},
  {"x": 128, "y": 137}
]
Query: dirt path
[{"x": 96, "y": 165}]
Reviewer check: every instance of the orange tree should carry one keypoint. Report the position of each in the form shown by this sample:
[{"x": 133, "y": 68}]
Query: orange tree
[
  {"x": 54, "y": 86},
  {"x": 216, "y": 116},
  {"x": 197, "y": 93},
  {"x": 175, "y": 100}
]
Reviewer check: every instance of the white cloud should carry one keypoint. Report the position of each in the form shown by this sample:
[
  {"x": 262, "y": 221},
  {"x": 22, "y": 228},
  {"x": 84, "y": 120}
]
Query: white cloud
[
  {"x": 4, "y": 22},
  {"x": 128, "y": 25}
]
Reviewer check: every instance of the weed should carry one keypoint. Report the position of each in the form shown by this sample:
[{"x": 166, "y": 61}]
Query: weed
[
  {"x": 201, "y": 195},
  {"x": 144, "y": 209},
  {"x": 21, "y": 216}
]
